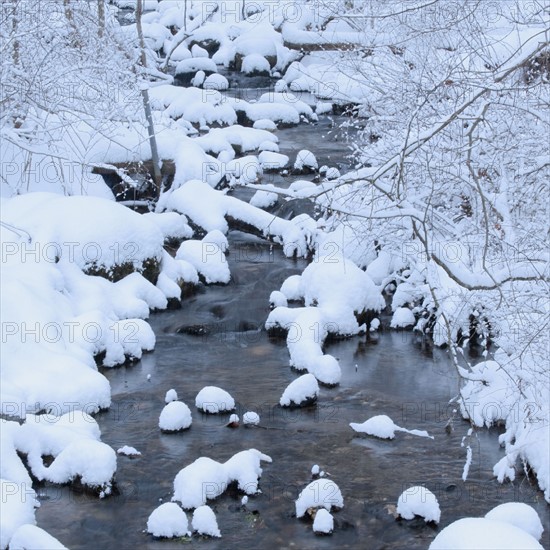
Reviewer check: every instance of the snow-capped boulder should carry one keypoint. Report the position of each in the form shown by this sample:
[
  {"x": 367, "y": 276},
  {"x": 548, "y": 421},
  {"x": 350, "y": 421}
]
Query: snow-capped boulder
[
  {"x": 171, "y": 395},
  {"x": 519, "y": 514},
  {"x": 403, "y": 317},
  {"x": 323, "y": 524},
  {"x": 483, "y": 534},
  {"x": 251, "y": 418},
  {"x": 168, "y": 520},
  {"x": 418, "y": 501},
  {"x": 29, "y": 537},
  {"x": 204, "y": 522},
  {"x": 213, "y": 400},
  {"x": 174, "y": 417},
  {"x": 321, "y": 493},
  {"x": 270, "y": 161},
  {"x": 277, "y": 299},
  {"x": 265, "y": 124},
  {"x": 126, "y": 450},
  {"x": 300, "y": 392},
  {"x": 305, "y": 162},
  {"x": 216, "y": 82},
  {"x": 255, "y": 64},
  {"x": 383, "y": 426}
]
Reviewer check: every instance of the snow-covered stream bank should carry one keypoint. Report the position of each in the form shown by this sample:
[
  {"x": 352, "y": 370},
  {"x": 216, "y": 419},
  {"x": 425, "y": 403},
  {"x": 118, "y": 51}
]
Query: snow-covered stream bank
[{"x": 390, "y": 375}]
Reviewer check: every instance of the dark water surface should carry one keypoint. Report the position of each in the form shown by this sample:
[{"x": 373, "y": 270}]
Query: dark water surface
[{"x": 391, "y": 374}]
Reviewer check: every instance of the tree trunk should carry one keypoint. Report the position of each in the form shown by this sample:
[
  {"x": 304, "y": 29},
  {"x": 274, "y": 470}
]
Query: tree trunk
[
  {"x": 101, "y": 18},
  {"x": 157, "y": 177}
]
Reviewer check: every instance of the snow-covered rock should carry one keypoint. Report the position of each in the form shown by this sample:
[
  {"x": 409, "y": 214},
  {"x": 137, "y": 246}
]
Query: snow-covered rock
[
  {"x": 18, "y": 503},
  {"x": 323, "y": 523},
  {"x": 305, "y": 162},
  {"x": 126, "y": 450},
  {"x": 264, "y": 199},
  {"x": 212, "y": 399},
  {"x": 519, "y": 514},
  {"x": 174, "y": 417},
  {"x": 207, "y": 479},
  {"x": 418, "y": 501},
  {"x": 483, "y": 534},
  {"x": 251, "y": 418},
  {"x": 265, "y": 124},
  {"x": 403, "y": 317},
  {"x": 300, "y": 392},
  {"x": 168, "y": 520},
  {"x": 31, "y": 537},
  {"x": 382, "y": 426},
  {"x": 204, "y": 522},
  {"x": 321, "y": 493},
  {"x": 278, "y": 299},
  {"x": 255, "y": 63},
  {"x": 273, "y": 161},
  {"x": 216, "y": 82},
  {"x": 171, "y": 395}
]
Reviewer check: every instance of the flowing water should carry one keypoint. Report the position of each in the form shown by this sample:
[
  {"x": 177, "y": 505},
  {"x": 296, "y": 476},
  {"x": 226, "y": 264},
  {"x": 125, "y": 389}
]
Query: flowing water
[{"x": 216, "y": 338}]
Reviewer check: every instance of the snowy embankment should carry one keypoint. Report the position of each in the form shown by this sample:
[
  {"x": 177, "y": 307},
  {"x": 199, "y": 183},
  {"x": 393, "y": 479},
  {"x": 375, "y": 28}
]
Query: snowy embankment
[{"x": 59, "y": 318}]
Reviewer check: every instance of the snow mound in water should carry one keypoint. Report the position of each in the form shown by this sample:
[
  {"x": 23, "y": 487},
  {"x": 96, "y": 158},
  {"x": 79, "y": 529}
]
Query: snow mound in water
[
  {"x": 321, "y": 493},
  {"x": 171, "y": 395},
  {"x": 323, "y": 522},
  {"x": 168, "y": 520},
  {"x": 255, "y": 63},
  {"x": 212, "y": 399},
  {"x": 251, "y": 418},
  {"x": 204, "y": 522},
  {"x": 174, "y": 417},
  {"x": 305, "y": 160},
  {"x": 418, "y": 501},
  {"x": 520, "y": 515},
  {"x": 402, "y": 318},
  {"x": 29, "y": 537},
  {"x": 382, "y": 426},
  {"x": 207, "y": 479},
  {"x": 483, "y": 534},
  {"x": 303, "y": 390}
]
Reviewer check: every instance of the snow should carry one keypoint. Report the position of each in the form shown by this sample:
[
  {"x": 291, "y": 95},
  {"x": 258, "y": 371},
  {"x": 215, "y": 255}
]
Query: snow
[
  {"x": 168, "y": 520},
  {"x": 216, "y": 82},
  {"x": 18, "y": 503},
  {"x": 305, "y": 160},
  {"x": 207, "y": 257},
  {"x": 273, "y": 161},
  {"x": 207, "y": 479},
  {"x": 31, "y": 537},
  {"x": 483, "y": 534},
  {"x": 192, "y": 65},
  {"x": 315, "y": 470},
  {"x": 291, "y": 288},
  {"x": 403, "y": 317},
  {"x": 214, "y": 400},
  {"x": 278, "y": 299},
  {"x": 172, "y": 225},
  {"x": 520, "y": 515},
  {"x": 418, "y": 501},
  {"x": 303, "y": 389},
  {"x": 264, "y": 199},
  {"x": 255, "y": 63},
  {"x": 204, "y": 522},
  {"x": 128, "y": 451},
  {"x": 265, "y": 124},
  {"x": 234, "y": 420},
  {"x": 197, "y": 51},
  {"x": 251, "y": 418},
  {"x": 323, "y": 522},
  {"x": 174, "y": 417},
  {"x": 171, "y": 395},
  {"x": 382, "y": 426},
  {"x": 321, "y": 493}
]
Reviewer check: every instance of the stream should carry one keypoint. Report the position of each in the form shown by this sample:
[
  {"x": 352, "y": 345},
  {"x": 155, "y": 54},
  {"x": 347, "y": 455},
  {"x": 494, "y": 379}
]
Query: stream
[{"x": 216, "y": 338}]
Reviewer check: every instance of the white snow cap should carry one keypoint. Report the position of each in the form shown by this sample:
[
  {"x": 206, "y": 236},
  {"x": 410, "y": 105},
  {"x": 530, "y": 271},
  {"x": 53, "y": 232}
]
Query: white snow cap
[
  {"x": 207, "y": 479},
  {"x": 204, "y": 522},
  {"x": 214, "y": 400},
  {"x": 168, "y": 520},
  {"x": 382, "y": 426},
  {"x": 321, "y": 493},
  {"x": 315, "y": 470},
  {"x": 302, "y": 389},
  {"x": 519, "y": 514},
  {"x": 483, "y": 534},
  {"x": 174, "y": 417},
  {"x": 171, "y": 395},
  {"x": 278, "y": 299},
  {"x": 323, "y": 522},
  {"x": 128, "y": 451},
  {"x": 30, "y": 536},
  {"x": 305, "y": 159},
  {"x": 251, "y": 418},
  {"x": 418, "y": 501}
]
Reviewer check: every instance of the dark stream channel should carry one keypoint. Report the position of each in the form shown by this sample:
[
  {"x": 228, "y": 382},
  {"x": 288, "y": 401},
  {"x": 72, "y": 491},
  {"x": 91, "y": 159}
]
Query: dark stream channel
[{"x": 391, "y": 373}]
